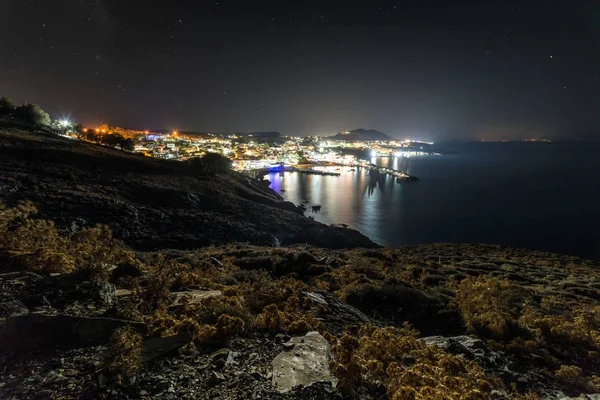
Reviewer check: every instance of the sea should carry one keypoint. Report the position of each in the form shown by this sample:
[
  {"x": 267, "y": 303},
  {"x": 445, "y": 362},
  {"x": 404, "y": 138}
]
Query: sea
[{"x": 535, "y": 195}]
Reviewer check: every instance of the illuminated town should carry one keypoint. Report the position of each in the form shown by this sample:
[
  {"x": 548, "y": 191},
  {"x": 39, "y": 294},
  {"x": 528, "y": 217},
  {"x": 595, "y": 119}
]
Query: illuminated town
[{"x": 267, "y": 150}]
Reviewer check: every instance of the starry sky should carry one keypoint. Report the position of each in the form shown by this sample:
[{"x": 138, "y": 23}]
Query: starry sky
[{"x": 493, "y": 69}]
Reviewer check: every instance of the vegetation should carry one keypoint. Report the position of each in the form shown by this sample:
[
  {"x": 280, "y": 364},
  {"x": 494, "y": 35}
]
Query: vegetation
[
  {"x": 211, "y": 163},
  {"x": 108, "y": 139},
  {"x": 518, "y": 301},
  {"x": 123, "y": 358},
  {"x": 36, "y": 245},
  {"x": 7, "y": 107},
  {"x": 407, "y": 368},
  {"x": 33, "y": 114}
]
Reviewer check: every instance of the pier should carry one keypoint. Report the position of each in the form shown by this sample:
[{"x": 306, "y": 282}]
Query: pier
[
  {"x": 399, "y": 175},
  {"x": 315, "y": 172}
]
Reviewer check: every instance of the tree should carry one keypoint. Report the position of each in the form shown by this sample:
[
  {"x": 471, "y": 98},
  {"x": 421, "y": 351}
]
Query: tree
[
  {"x": 6, "y": 106},
  {"x": 212, "y": 163},
  {"x": 78, "y": 130},
  {"x": 33, "y": 114},
  {"x": 111, "y": 139}
]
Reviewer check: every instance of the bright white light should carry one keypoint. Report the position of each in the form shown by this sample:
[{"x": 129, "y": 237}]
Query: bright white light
[
  {"x": 65, "y": 122},
  {"x": 373, "y": 153}
]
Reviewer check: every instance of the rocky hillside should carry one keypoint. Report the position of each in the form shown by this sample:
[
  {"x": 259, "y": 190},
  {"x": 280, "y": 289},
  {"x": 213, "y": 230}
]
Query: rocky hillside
[
  {"x": 151, "y": 203},
  {"x": 82, "y": 316},
  {"x": 86, "y": 315}
]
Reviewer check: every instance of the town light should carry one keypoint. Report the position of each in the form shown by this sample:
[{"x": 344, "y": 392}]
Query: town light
[{"x": 65, "y": 122}]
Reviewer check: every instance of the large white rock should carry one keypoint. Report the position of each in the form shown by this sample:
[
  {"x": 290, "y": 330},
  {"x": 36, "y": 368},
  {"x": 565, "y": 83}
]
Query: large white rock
[{"x": 306, "y": 361}]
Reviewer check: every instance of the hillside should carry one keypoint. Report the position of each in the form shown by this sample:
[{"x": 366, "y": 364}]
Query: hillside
[
  {"x": 151, "y": 203},
  {"x": 362, "y": 135},
  {"x": 161, "y": 315}
]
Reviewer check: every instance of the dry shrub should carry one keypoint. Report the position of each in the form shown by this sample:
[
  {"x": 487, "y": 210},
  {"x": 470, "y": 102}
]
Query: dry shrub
[
  {"x": 572, "y": 376},
  {"x": 156, "y": 292},
  {"x": 489, "y": 305},
  {"x": 291, "y": 320},
  {"x": 264, "y": 291},
  {"x": 124, "y": 354},
  {"x": 226, "y": 328},
  {"x": 37, "y": 245},
  {"x": 578, "y": 327},
  {"x": 406, "y": 367}
]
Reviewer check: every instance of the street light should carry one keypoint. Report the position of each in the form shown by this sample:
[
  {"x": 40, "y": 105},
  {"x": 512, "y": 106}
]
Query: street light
[{"x": 65, "y": 123}]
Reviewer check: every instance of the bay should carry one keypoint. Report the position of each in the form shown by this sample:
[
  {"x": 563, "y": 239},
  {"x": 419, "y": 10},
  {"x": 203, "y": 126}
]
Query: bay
[{"x": 531, "y": 195}]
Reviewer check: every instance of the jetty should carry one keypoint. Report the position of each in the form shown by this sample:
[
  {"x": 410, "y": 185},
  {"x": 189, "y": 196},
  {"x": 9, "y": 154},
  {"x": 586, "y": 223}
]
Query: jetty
[
  {"x": 399, "y": 175},
  {"x": 315, "y": 172}
]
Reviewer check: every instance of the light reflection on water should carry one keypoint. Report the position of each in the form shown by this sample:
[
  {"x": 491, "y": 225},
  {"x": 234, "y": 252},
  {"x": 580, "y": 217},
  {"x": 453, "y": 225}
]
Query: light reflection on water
[
  {"x": 522, "y": 195},
  {"x": 360, "y": 199}
]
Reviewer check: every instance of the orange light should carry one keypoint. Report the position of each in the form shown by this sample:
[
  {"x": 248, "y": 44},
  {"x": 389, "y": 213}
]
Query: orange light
[
  {"x": 85, "y": 129},
  {"x": 97, "y": 130},
  {"x": 174, "y": 133},
  {"x": 103, "y": 130},
  {"x": 146, "y": 132}
]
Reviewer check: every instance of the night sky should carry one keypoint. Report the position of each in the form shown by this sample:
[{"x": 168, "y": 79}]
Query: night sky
[{"x": 423, "y": 69}]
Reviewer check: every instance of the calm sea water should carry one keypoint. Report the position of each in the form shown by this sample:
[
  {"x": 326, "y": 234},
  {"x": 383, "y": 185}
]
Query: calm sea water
[{"x": 532, "y": 195}]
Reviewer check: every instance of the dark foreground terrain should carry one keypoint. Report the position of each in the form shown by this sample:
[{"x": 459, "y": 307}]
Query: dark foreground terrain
[
  {"x": 86, "y": 315},
  {"x": 151, "y": 203}
]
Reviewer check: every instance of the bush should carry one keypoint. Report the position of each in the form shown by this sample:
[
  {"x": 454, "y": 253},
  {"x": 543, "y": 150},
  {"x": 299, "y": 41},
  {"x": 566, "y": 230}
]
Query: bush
[
  {"x": 6, "y": 106},
  {"x": 36, "y": 245},
  {"x": 406, "y": 367},
  {"x": 489, "y": 305},
  {"x": 33, "y": 114},
  {"x": 211, "y": 163},
  {"x": 124, "y": 354}
]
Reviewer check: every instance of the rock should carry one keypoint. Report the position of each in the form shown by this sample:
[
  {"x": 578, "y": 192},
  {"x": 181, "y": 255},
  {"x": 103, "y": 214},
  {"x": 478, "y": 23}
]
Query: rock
[
  {"x": 13, "y": 308},
  {"x": 472, "y": 348},
  {"x": 71, "y": 372},
  {"x": 306, "y": 365},
  {"x": 288, "y": 346},
  {"x": 335, "y": 313},
  {"x": 231, "y": 358},
  {"x": 219, "y": 357},
  {"x": 105, "y": 293},
  {"x": 193, "y": 296},
  {"x": 39, "y": 330},
  {"x": 158, "y": 347},
  {"x": 216, "y": 378},
  {"x": 281, "y": 338},
  {"x": 123, "y": 293}
]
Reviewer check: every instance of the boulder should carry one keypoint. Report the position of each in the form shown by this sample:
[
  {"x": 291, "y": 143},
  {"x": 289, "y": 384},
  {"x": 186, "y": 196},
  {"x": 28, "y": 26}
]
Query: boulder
[{"x": 306, "y": 363}]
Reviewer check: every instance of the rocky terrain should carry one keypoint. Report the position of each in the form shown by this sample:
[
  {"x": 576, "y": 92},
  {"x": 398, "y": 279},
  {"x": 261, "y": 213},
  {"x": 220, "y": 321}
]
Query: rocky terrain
[
  {"x": 151, "y": 203},
  {"x": 159, "y": 315}
]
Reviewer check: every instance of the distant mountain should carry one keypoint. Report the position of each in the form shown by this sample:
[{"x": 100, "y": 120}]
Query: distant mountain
[{"x": 361, "y": 134}]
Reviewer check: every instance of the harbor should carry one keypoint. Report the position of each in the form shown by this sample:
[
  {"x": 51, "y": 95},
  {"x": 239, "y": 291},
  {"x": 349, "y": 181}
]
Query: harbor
[{"x": 400, "y": 176}]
